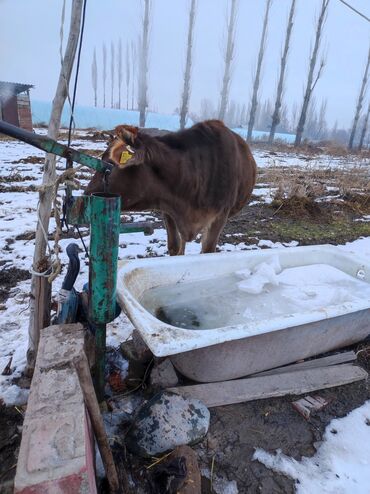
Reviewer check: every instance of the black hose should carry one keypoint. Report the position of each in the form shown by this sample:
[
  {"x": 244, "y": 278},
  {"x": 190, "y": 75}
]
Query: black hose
[{"x": 73, "y": 267}]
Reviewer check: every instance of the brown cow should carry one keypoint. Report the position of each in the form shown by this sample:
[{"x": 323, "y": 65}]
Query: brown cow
[{"x": 196, "y": 178}]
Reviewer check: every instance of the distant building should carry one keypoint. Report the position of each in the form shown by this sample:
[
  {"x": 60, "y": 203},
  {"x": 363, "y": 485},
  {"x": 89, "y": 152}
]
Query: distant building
[{"x": 15, "y": 106}]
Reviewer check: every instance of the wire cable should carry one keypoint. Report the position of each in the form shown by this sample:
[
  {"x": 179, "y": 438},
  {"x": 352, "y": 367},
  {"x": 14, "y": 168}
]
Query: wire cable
[
  {"x": 355, "y": 10},
  {"x": 69, "y": 163}
]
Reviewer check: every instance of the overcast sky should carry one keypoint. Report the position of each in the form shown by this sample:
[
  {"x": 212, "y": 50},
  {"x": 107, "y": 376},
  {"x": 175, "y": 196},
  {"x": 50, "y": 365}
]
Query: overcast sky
[{"x": 29, "y": 49}]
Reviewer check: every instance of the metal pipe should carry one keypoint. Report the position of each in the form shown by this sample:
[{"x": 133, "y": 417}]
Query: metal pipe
[
  {"x": 104, "y": 230},
  {"x": 50, "y": 146}
]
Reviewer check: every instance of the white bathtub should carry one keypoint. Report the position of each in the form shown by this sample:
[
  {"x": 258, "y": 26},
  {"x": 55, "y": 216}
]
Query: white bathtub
[{"x": 251, "y": 345}]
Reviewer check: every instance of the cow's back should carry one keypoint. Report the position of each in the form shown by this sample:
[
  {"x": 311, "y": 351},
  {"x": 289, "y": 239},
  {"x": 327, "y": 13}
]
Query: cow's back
[{"x": 216, "y": 169}]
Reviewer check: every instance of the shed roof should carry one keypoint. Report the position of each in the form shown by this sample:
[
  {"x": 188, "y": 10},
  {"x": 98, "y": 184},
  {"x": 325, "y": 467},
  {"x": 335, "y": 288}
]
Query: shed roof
[{"x": 10, "y": 88}]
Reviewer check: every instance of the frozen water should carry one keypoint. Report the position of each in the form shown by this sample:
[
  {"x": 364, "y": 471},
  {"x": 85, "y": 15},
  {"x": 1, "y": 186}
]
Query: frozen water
[{"x": 263, "y": 293}]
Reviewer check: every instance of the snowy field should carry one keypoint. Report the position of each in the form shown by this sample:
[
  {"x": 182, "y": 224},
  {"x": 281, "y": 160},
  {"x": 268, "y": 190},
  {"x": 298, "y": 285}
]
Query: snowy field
[{"x": 343, "y": 458}]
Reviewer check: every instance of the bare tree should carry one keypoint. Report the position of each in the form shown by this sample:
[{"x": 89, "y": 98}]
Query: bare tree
[
  {"x": 322, "y": 127},
  {"x": 134, "y": 71},
  {"x": 112, "y": 74},
  {"x": 359, "y": 102},
  {"x": 104, "y": 72},
  {"x": 186, "y": 91},
  {"x": 254, "y": 104},
  {"x": 143, "y": 69},
  {"x": 279, "y": 93},
  {"x": 94, "y": 77},
  {"x": 364, "y": 128},
  {"x": 128, "y": 73},
  {"x": 229, "y": 55},
  {"x": 207, "y": 109},
  {"x": 120, "y": 72},
  {"x": 311, "y": 79}
]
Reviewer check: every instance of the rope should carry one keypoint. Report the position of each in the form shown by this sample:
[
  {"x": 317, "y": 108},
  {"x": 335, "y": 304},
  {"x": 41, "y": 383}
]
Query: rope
[{"x": 68, "y": 178}]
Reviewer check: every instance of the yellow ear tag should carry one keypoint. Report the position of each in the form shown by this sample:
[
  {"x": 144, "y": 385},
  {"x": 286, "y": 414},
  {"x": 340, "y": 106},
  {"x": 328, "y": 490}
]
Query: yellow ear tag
[{"x": 125, "y": 156}]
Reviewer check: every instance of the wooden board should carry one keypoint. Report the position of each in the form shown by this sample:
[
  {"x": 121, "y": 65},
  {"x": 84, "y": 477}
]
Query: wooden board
[
  {"x": 261, "y": 387},
  {"x": 338, "y": 358}
]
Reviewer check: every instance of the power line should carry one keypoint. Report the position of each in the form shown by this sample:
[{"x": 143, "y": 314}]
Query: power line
[{"x": 354, "y": 10}]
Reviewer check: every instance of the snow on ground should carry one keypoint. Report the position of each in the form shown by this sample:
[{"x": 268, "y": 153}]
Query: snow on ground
[{"x": 341, "y": 464}]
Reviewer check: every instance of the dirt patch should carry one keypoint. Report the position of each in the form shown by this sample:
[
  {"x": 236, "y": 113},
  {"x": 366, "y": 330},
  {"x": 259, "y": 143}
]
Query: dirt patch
[
  {"x": 331, "y": 222},
  {"x": 28, "y": 235},
  {"x": 9, "y": 278},
  {"x": 29, "y": 160},
  {"x": 298, "y": 207},
  {"x": 15, "y": 177},
  {"x": 11, "y": 421},
  {"x": 236, "y": 431},
  {"x": 18, "y": 188}
]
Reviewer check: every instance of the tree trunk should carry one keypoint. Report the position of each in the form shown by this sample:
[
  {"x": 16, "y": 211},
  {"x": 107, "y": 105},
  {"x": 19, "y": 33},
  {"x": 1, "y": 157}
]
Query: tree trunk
[
  {"x": 128, "y": 73},
  {"x": 252, "y": 115},
  {"x": 279, "y": 94},
  {"x": 120, "y": 72},
  {"x": 364, "y": 129},
  {"x": 40, "y": 287},
  {"x": 112, "y": 74},
  {"x": 143, "y": 83},
  {"x": 230, "y": 47},
  {"x": 359, "y": 102},
  {"x": 104, "y": 72},
  {"x": 186, "y": 92},
  {"x": 310, "y": 80},
  {"x": 94, "y": 76},
  {"x": 134, "y": 73}
]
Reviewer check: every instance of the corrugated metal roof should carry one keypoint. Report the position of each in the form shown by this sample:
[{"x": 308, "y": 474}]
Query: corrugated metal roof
[{"x": 8, "y": 88}]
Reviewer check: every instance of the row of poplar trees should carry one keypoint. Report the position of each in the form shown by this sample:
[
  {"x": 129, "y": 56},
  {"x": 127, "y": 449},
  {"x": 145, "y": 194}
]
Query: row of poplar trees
[{"x": 316, "y": 67}]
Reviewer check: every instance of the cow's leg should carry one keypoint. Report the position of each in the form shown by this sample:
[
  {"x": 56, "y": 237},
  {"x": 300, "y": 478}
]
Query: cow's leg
[
  {"x": 174, "y": 240},
  {"x": 212, "y": 233}
]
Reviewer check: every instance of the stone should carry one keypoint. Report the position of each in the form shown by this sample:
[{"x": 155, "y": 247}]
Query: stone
[
  {"x": 164, "y": 375},
  {"x": 166, "y": 421},
  {"x": 143, "y": 353}
]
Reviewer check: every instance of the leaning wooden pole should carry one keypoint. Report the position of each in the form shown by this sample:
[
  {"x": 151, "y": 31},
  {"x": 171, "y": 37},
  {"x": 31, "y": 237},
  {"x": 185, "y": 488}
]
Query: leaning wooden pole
[
  {"x": 40, "y": 287},
  {"x": 83, "y": 371}
]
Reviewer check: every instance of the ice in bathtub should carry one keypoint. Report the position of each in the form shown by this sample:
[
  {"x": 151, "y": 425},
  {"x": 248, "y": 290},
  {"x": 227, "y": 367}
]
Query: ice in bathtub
[{"x": 263, "y": 293}]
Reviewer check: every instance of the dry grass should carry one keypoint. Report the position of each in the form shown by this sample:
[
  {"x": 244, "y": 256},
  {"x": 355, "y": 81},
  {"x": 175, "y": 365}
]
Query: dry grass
[
  {"x": 302, "y": 191},
  {"x": 329, "y": 148}
]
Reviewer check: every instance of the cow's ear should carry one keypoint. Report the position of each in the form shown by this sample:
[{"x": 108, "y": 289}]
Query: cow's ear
[
  {"x": 129, "y": 157},
  {"x": 127, "y": 133}
]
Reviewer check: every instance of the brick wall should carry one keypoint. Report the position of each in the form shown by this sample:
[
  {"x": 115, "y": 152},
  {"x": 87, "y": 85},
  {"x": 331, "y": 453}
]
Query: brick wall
[{"x": 24, "y": 111}]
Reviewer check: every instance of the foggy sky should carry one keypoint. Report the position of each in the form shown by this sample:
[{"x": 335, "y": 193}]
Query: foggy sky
[{"x": 29, "y": 49}]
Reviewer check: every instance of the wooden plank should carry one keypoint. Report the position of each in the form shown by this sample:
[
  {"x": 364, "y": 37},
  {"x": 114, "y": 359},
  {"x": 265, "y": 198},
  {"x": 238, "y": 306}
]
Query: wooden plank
[
  {"x": 261, "y": 387},
  {"x": 339, "y": 358}
]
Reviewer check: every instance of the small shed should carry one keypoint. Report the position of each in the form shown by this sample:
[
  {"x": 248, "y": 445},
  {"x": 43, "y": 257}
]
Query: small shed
[{"x": 15, "y": 105}]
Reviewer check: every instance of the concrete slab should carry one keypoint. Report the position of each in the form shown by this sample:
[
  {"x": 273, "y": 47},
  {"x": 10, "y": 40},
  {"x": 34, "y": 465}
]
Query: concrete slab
[{"x": 57, "y": 449}]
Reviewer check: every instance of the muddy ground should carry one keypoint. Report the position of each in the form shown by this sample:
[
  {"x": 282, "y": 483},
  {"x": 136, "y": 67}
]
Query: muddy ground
[
  {"x": 237, "y": 430},
  {"x": 11, "y": 419}
]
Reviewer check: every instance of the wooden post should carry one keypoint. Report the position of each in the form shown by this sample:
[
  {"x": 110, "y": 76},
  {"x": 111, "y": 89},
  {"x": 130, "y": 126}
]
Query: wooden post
[
  {"x": 82, "y": 368},
  {"x": 40, "y": 287}
]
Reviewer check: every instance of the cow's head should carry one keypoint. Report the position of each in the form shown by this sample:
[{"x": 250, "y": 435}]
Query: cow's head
[{"x": 125, "y": 149}]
